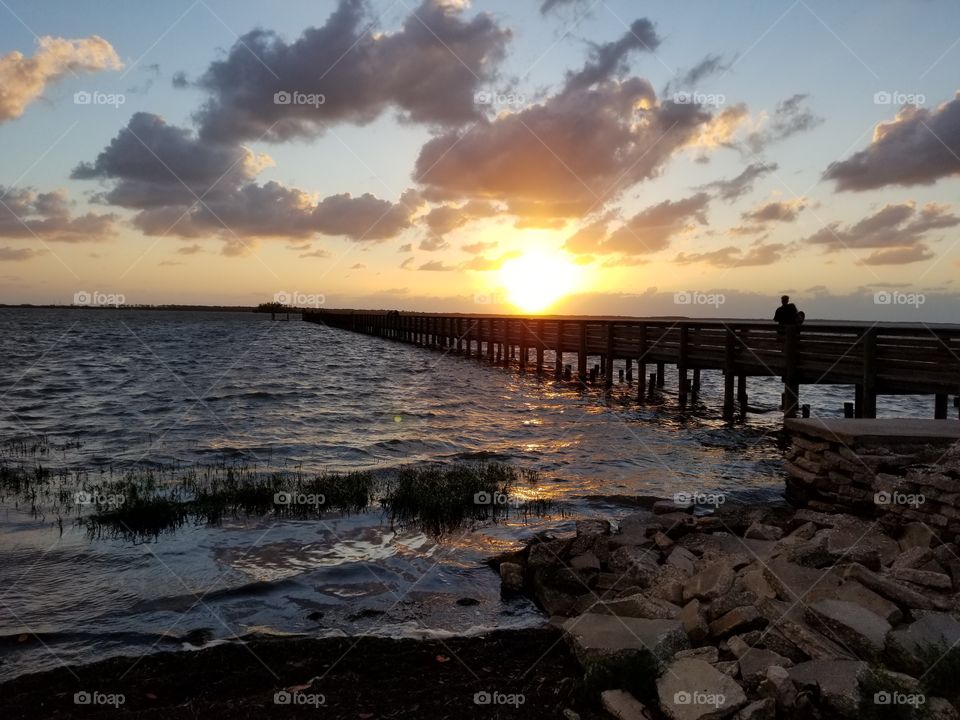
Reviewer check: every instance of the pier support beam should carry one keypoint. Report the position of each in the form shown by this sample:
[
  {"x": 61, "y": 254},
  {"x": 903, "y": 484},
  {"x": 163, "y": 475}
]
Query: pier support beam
[
  {"x": 870, "y": 373},
  {"x": 558, "y": 363},
  {"x": 582, "y": 356},
  {"x": 940, "y": 406}
]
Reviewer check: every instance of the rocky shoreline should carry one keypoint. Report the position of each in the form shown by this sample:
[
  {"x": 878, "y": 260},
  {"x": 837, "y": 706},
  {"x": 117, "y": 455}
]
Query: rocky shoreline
[{"x": 752, "y": 613}]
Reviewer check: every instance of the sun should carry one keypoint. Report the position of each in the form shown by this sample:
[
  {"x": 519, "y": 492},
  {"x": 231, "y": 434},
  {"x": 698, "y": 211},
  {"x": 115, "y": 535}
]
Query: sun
[{"x": 537, "y": 279}]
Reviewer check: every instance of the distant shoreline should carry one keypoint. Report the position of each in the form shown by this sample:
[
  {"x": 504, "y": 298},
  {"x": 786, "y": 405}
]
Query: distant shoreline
[{"x": 176, "y": 308}]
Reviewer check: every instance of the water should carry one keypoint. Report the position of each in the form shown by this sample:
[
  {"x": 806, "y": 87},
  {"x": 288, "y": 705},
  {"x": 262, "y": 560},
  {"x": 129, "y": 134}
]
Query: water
[{"x": 121, "y": 389}]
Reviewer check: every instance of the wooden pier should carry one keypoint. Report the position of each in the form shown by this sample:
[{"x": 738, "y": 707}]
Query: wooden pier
[{"x": 876, "y": 358}]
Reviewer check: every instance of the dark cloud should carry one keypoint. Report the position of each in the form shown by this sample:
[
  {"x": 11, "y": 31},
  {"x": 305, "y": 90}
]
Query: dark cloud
[
  {"x": 731, "y": 256},
  {"x": 190, "y": 250},
  {"x": 447, "y": 218},
  {"x": 430, "y": 70},
  {"x": 436, "y": 266},
  {"x": 919, "y": 147},
  {"x": 179, "y": 80},
  {"x": 735, "y": 188},
  {"x": 776, "y": 211},
  {"x": 479, "y": 247},
  {"x": 790, "y": 118},
  {"x": 608, "y": 60},
  {"x": 9, "y": 254},
  {"x": 548, "y": 5},
  {"x": 895, "y": 232},
  {"x": 710, "y": 65},
  {"x": 26, "y": 213},
  {"x": 646, "y": 232}
]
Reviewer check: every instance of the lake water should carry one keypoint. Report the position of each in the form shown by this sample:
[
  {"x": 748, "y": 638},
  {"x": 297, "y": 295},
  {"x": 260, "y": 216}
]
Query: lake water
[{"x": 113, "y": 390}]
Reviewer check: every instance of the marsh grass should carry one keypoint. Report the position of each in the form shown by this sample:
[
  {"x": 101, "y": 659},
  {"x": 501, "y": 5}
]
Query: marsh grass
[{"x": 146, "y": 503}]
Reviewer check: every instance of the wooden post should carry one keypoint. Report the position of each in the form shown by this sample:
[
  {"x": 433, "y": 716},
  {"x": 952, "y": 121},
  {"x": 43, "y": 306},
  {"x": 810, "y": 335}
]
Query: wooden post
[
  {"x": 653, "y": 384},
  {"x": 729, "y": 376},
  {"x": 568, "y": 373},
  {"x": 608, "y": 365},
  {"x": 849, "y": 410},
  {"x": 629, "y": 370},
  {"x": 791, "y": 399},
  {"x": 559, "y": 350},
  {"x": 684, "y": 380},
  {"x": 540, "y": 347},
  {"x": 696, "y": 380},
  {"x": 490, "y": 342},
  {"x": 582, "y": 357},
  {"x": 870, "y": 373},
  {"x": 642, "y": 364},
  {"x": 524, "y": 349},
  {"x": 742, "y": 398},
  {"x": 660, "y": 372},
  {"x": 940, "y": 406}
]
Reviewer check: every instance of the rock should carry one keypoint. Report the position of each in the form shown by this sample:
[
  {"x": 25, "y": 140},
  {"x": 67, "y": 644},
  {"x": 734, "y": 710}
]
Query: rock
[
  {"x": 787, "y": 622},
  {"x": 638, "y": 521},
  {"x": 547, "y": 554},
  {"x": 511, "y": 577},
  {"x": 623, "y": 706},
  {"x": 765, "y": 709},
  {"x": 913, "y": 557},
  {"x": 694, "y": 620},
  {"x": 586, "y": 561},
  {"x": 916, "y": 535},
  {"x": 634, "y": 538},
  {"x": 666, "y": 588},
  {"x": 710, "y": 583},
  {"x": 894, "y": 591},
  {"x": 907, "y": 645},
  {"x": 754, "y": 581},
  {"x": 662, "y": 507},
  {"x": 861, "y": 630},
  {"x": 853, "y": 591},
  {"x": 737, "y": 620},
  {"x": 693, "y": 689},
  {"x": 755, "y": 663},
  {"x": 707, "y": 653},
  {"x": 857, "y": 543},
  {"x": 662, "y": 541},
  {"x": 738, "y": 646},
  {"x": 593, "y": 636},
  {"x": 639, "y": 564},
  {"x": 592, "y": 527},
  {"x": 941, "y": 709},
  {"x": 758, "y": 531},
  {"x": 683, "y": 560},
  {"x": 728, "y": 667},
  {"x": 922, "y": 577},
  {"x": 838, "y": 682},
  {"x": 570, "y": 714},
  {"x": 553, "y": 601},
  {"x": 795, "y": 583},
  {"x": 611, "y": 582},
  {"x": 779, "y": 687},
  {"x": 638, "y": 606}
]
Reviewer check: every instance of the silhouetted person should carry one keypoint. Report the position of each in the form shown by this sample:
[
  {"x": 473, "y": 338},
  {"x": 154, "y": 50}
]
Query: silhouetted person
[{"x": 787, "y": 313}]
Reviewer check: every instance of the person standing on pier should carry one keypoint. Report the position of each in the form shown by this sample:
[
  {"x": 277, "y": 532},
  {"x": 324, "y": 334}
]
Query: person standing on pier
[{"x": 787, "y": 313}]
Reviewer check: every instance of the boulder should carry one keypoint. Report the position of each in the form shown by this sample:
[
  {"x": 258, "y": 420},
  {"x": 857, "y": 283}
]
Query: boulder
[
  {"x": 778, "y": 686},
  {"x": 894, "y": 591},
  {"x": 592, "y": 527},
  {"x": 623, "y": 706},
  {"x": 916, "y": 535},
  {"x": 853, "y": 591},
  {"x": 511, "y": 577},
  {"x": 755, "y": 663},
  {"x": 694, "y": 690},
  {"x": 796, "y": 583},
  {"x": 638, "y": 564},
  {"x": 710, "y": 583},
  {"x": 707, "y": 653},
  {"x": 837, "y": 681},
  {"x": 549, "y": 553},
  {"x": 728, "y": 667},
  {"x": 638, "y": 605},
  {"x": 941, "y": 709},
  {"x": 737, "y": 620},
  {"x": 908, "y": 644},
  {"x": 765, "y": 709},
  {"x": 593, "y": 636},
  {"x": 754, "y": 581},
  {"x": 694, "y": 619},
  {"x": 788, "y": 624},
  {"x": 861, "y": 630},
  {"x": 926, "y": 578},
  {"x": 585, "y": 561},
  {"x": 759, "y": 531},
  {"x": 913, "y": 557},
  {"x": 683, "y": 560}
]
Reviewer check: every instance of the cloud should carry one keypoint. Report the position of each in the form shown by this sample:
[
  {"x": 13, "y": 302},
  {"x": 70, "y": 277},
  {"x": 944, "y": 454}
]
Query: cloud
[
  {"x": 741, "y": 184},
  {"x": 918, "y": 147},
  {"x": 186, "y": 187},
  {"x": 548, "y": 5},
  {"x": 23, "y": 79},
  {"x": 358, "y": 266},
  {"x": 436, "y": 266},
  {"x": 790, "y": 118},
  {"x": 479, "y": 247},
  {"x": 710, "y": 65},
  {"x": 429, "y": 70},
  {"x": 776, "y": 211},
  {"x": 481, "y": 263},
  {"x": 26, "y": 213},
  {"x": 9, "y": 254},
  {"x": 320, "y": 253},
  {"x": 407, "y": 247},
  {"x": 731, "y": 256},
  {"x": 608, "y": 60},
  {"x": 901, "y": 227},
  {"x": 190, "y": 250},
  {"x": 447, "y": 218},
  {"x": 646, "y": 232}
]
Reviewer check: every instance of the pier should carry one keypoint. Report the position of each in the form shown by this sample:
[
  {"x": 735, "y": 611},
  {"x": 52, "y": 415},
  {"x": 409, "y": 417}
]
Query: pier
[{"x": 876, "y": 358}]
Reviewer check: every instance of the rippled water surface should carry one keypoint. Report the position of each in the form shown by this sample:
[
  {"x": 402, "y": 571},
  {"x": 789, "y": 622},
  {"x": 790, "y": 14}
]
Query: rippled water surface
[{"x": 115, "y": 390}]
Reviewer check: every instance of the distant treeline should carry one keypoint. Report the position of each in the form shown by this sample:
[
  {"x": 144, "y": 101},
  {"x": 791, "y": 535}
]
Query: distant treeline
[{"x": 182, "y": 308}]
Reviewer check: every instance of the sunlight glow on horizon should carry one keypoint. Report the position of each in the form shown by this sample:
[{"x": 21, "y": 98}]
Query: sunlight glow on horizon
[{"x": 539, "y": 278}]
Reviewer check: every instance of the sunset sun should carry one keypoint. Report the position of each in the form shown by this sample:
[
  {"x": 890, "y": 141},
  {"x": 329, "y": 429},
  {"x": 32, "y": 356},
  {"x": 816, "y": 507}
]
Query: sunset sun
[{"x": 538, "y": 279}]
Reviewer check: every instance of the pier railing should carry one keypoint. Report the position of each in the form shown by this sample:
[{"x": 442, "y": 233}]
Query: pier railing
[{"x": 876, "y": 358}]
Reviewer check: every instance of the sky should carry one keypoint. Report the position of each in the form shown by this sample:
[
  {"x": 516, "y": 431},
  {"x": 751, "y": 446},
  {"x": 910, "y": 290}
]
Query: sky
[{"x": 551, "y": 156}]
